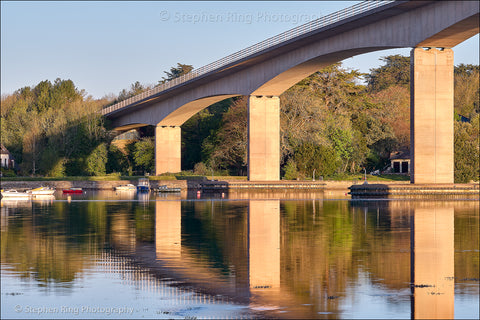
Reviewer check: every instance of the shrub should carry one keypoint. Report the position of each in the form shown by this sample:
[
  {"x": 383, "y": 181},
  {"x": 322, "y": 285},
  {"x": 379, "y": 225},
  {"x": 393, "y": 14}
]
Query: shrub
[{"x": 200, "y": 169}]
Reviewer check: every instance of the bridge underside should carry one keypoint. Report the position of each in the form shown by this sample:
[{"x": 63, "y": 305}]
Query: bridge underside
[
  {"x": 441, "y": 24},
  {"x": 431, "y": 126}
]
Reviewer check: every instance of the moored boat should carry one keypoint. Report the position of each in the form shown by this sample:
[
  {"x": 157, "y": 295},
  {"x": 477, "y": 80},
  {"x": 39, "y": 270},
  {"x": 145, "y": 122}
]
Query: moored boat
[
  {"x": 73, "y": 190},
  {"x": 12, "y": 193},
  {"x": 125, "y": 187},
  {"x": 41, "y": 191},
  {"x": 143, "y": 184},
  {"x": 164, "y": 188}
]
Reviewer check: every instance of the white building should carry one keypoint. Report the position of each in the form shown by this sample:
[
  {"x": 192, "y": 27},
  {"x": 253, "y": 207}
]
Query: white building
[
  {"x": 6, "y": 159},
  {"x": 400, "y": 161}
]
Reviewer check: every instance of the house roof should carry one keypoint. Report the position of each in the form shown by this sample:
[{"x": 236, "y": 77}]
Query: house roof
[
  {"x": 4, "y": 150},
  {"x": 403, "y": 154}
]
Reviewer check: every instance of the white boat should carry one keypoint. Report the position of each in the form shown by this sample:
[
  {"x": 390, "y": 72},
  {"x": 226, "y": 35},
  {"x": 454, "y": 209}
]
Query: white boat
[
  {"x": 125, "y": 187},
  {"x": 164, "y": 188},
  {"x": 41, "y": 191},
  {"x": 12, "y": 193}
]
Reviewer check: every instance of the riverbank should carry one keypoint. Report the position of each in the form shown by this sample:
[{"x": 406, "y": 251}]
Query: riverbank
[
  {"x": 466, "y": 191},
  {"x": 354, "y": 188},
  {"x": 89, "y": 185},
  {"x": 210, "y": 185}
]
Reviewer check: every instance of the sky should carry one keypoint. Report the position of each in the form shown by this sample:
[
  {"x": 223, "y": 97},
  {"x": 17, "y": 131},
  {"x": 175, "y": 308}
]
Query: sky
[{"x": 105, "y": 46}]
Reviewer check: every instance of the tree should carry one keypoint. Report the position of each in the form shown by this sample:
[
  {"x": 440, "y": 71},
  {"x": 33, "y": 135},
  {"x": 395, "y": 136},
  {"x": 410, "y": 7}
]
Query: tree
[
  {"x": 323, "y": 159},
  {"x": 230, "y": 148},
  {"x": 199, "y": 132},
  {"x": 291, "y": 172},
  {"x": 51, "y": 129},
  {"x": 135, "y": 88},
  {"x": 392, "y": 109},
  {"x": 466, "y": 149},
  {"x": 96, "y": 160},
  {"x": 42, "y": 92},
  {"x": 63, "y": 92},
  {"x": 144, "y": 154},
  {"x": 176, "y": 72},
  {"x": 467, "y": 90},
  {"x": 396, "y": 71},
  {"x": 32, "y": 145},
  {"x": 117, "y": 161},
  {"x": 342, "y": 140}
]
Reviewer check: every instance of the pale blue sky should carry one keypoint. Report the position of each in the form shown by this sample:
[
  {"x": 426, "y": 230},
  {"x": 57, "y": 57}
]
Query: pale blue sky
[{"x": 106, "y": 46}]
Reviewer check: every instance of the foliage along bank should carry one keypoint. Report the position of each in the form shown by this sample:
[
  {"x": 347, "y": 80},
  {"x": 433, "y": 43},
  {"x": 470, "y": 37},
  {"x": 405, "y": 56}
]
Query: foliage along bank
[{"x": 330, "y": 122}]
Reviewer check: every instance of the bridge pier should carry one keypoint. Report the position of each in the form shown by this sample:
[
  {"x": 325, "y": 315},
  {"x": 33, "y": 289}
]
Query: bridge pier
[
  {"x": 264, "y": 138},
  {"x": 167, "y": 149},
  {"x": 431, "y": 116}
]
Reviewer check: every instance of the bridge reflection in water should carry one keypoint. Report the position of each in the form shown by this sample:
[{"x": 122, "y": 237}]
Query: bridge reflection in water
[
  {"x": 432, "y": 266},
  {"x": 310, "y": 258},
  {"x": 261, "y": 262},
  {"x": 259, "y": 253}
]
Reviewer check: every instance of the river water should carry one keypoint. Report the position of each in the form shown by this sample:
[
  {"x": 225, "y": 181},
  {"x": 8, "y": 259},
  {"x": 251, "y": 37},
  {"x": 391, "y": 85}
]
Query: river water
[{"x": 119, "y": 255}]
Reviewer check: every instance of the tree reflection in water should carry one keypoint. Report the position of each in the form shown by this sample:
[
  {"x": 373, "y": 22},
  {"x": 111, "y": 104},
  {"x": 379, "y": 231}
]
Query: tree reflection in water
[{"x": 290, "y": 258}]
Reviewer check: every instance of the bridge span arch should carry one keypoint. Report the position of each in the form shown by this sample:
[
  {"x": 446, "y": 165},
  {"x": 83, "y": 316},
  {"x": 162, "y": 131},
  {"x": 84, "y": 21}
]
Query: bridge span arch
[{"x": 266, "y": 74}]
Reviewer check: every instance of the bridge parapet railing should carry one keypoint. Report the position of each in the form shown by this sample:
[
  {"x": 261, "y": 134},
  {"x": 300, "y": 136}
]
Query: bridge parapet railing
[{"x": 251, "y": 50}]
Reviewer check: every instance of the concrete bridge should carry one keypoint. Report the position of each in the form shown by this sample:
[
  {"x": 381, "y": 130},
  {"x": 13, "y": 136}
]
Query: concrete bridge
[{"x": 265, "y": 70}]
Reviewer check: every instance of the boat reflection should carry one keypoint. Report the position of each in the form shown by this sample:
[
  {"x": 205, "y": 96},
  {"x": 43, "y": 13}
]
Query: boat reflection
[
  {"x": 27, "y": 202},
  {"x": 310, "y": 258}
]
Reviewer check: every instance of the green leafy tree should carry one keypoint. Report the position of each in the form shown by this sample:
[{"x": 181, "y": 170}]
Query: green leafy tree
[
  {"x": 342, "y": 141},
  {"x": 42, "y": 92},
  {"x": 175, "y": 72},
  {"x": 230, "y": 148},
  {"x": 63, "y": 92},
  {"x": 117, "y": 161},
  {"x": 466, "y": 148},
  {"x": 199, "y": 133},
  {"x": 291, "y": 172},
  {"x": 144, "y": 154},
  {"x": 467, "y": 90},
  {"x": 96, "y": 161},
  {"x": 396, "y": 71},
  {"x": 135, "y": 88},
  {"x": 51, "y": 129},
  {"x": 200, "y": 168}
]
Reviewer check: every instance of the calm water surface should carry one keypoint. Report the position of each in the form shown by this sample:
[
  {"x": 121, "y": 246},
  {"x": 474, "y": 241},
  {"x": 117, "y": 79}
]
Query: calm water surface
[{"x": 246, "y": 255}]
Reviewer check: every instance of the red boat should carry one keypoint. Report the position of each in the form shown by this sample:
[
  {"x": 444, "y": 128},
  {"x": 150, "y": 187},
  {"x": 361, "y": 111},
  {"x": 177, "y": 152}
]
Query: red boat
[{"x": 73, "y": 190}]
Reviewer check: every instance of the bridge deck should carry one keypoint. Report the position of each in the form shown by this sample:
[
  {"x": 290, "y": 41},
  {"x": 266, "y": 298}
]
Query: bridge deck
[{"x": 330, "y": 20}]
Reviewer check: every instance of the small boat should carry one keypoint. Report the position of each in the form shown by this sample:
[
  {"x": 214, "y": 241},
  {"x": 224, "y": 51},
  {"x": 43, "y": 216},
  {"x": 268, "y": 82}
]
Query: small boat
[
  {"x": 164, "y": 188},
  {"x": 41, "y": 191},
  {"x": 73, "y": 190},
  {"x": 125, "y": 187},
  {"x": 12, "y": 193},
  {"x": 143, "y": 184}
]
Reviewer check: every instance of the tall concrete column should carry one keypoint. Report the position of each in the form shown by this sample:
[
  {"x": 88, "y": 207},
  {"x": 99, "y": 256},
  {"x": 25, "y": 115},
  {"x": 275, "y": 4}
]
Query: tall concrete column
[
  {"x": 167, "y": 149},
  {"x": 264, "y": 138},
  {"x": 431, "y": 116}
]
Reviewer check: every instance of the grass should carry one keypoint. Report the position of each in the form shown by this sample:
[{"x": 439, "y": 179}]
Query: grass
[
  {"x": 193, "y": 177},
  {"x": 383, "y": 177}
]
